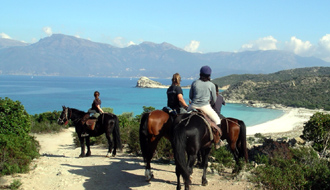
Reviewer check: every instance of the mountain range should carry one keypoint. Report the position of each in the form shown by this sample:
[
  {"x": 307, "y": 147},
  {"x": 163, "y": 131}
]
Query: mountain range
[{"x": 63, "y": 55}]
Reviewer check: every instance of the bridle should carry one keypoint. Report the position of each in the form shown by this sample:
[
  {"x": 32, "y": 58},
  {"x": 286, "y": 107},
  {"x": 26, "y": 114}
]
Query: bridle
[{"x": 66, "y": 116}]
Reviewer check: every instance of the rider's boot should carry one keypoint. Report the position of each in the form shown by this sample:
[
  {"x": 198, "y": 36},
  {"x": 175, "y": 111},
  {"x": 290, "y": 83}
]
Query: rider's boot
[{"x": 84, "y": 133}]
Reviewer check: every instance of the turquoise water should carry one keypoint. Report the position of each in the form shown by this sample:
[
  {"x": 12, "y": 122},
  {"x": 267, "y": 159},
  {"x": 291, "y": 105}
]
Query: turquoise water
[{"x": 40, "y": 94}]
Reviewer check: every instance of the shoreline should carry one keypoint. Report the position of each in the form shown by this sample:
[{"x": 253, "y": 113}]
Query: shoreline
[{"x": 293, "y": 119}]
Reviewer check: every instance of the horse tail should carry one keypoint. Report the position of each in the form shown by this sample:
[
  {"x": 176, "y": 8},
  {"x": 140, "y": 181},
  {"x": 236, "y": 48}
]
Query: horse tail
[
  {"x": 179, "y": 143},
  {"x": 116, "y": 133},
  {"x": 143, "y": 135},
  {"x": 242, "y": 137}
]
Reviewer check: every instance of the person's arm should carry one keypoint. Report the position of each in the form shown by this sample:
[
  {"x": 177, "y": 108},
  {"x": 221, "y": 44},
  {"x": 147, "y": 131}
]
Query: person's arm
[
  {"x": 99, "y": 107},
  {"x": 181, "y": 100}
]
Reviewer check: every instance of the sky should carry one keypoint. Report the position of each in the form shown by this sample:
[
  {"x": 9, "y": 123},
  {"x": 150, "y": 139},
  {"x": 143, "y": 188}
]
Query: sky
[{"x": 298, "y": 26}]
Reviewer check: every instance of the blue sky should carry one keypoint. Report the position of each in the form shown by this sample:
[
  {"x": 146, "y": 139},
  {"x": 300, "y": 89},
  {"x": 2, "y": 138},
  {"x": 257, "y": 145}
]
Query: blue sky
[{"x": 302, "y": 27}]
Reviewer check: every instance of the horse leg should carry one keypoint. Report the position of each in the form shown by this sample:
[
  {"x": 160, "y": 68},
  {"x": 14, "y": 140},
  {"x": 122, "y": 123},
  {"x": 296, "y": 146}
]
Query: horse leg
[
  {"x": 190, "y": 163},
  {"x": 235, "y": 152},
  {"x": 82, "y": 146},
  {"x": 178, "y": 173},
  {"x": 110, "y": 146},
  {"x": 88, "y": 146},
  {"x": 153, "y": 145},
  {"x": 205, "y": 157}
]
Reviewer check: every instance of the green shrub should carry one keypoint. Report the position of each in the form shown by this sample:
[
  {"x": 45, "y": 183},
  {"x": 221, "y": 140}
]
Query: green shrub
[
  {"x": 14, "y": 120},
  {"x": 317, "y": 129},
  {"x": 46, "y": 122},
  {"x": 15, "y": 184},
  {"x": 304, "y": 170},
  {"x": 223, "y": 156},
  {"x": 17, "y": 148},
  {"x": 16, "y": 153}
]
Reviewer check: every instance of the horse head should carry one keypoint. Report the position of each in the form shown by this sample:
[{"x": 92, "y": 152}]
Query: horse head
[
  {"x": 216, "y": 135},
  {"x": 64, "y": 117}
]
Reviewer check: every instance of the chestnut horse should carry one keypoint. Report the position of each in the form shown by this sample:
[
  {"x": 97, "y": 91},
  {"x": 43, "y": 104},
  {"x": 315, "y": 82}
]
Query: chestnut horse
[
  {"x": 234, "y": 131},
  {"x": 153, "y": 127}
]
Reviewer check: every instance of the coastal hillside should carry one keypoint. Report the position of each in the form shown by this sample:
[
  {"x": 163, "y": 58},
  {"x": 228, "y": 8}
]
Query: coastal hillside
[{"x": 304, "y": 87}]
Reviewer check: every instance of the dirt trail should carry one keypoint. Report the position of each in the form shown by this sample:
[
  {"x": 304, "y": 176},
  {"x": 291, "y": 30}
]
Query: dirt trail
[{"x": 60, "y": 168}]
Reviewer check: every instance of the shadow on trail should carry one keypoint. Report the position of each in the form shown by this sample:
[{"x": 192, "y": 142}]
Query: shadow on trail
[{"x": 116, "y": 175}]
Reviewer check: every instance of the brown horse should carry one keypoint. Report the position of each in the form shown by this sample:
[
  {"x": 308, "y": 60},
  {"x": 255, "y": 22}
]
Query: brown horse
[
  {"x": 234, "y": 131},
  {"x": 153, "y": 127},
  {"x": 157, "y": 124}
]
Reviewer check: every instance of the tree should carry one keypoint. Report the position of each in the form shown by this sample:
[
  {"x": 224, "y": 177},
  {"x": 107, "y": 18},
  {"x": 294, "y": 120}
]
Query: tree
[{"x": 317, "y": 129}]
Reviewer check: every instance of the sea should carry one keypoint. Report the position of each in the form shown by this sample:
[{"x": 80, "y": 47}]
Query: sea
[{"x": 39, "y": 94}]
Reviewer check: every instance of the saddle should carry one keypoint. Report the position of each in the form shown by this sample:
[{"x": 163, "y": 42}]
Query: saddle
[
  {"x": 89, "y": 122},
  {"x": 172, "y": 113},
  {"x": 211, "y": 124}
]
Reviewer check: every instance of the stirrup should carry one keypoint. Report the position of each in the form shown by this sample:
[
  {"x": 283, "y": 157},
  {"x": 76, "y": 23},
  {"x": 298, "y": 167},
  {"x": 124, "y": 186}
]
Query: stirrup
[{"x": 84, "y": 135}]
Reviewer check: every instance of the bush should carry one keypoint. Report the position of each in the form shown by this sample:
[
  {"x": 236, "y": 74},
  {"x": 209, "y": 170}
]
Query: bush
[
  {"x": 317, "y": 129},
  {"x": 45, "y": 122},
  {"x": 14, "y": 120},
  {"x": 16, "y": 153},
  {"x": 17, "y": 148},
  {"x": 303, "y": 170}
]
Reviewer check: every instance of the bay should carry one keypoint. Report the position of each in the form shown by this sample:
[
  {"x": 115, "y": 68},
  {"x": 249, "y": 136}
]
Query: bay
[{"x": 40, "y": 94}]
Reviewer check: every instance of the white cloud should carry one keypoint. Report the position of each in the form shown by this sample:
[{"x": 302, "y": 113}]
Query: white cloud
[
  {"x": 192, "y": 46},
  {"x": 47, "y": 30},
  {"x": 121, "y": 42},
  {"x": 324, "y": 42},
  {"x": 299, "y": 47},
  {"x": 295, "y": 45},
  {"x": 3, "y": 35},
  {"x": 323, "y": 49},
  {"x": 130, "y": 43},
  {"x": 265, "y": 43}
]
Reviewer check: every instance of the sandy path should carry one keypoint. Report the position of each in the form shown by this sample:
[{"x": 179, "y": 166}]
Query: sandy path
[{"x": 60, "y": 168}]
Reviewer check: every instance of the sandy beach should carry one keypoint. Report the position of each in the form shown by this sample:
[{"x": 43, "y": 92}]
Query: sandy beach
[{"x": 293, "y": 119}]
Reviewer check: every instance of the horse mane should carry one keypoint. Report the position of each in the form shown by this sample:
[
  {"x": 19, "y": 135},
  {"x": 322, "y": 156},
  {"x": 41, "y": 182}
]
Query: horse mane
[{"x": 79, "y": 111}]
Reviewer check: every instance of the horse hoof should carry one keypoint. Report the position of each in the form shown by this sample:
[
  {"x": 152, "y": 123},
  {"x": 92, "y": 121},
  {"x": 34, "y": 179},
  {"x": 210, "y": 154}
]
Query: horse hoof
[
  {"x": 205, "y": 183},
  {"x": 149, "y": 175},
  {"x": 81, "y": 156}
]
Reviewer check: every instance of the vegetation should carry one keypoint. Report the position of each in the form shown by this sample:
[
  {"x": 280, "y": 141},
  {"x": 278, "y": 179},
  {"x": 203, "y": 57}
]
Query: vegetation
[
  {"x": 289, "y": 168},
  {"x": 317, "y": 129},
  {"x": 45, "y": 122},
  {"x": 279, "y": 165},
  {"x": 17, "y": 147},
  {"x": 306, "y": 87}
]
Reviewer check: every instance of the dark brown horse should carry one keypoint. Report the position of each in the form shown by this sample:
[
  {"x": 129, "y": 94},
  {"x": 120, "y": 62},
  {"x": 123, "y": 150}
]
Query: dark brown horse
[
  {"x": 107, "y": 123},
  {"x": 153, "y": 127}
]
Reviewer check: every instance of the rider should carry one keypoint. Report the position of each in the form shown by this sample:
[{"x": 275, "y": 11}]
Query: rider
[
  {"x": 203, "y": 94},
  {"x": 175, "y": 96},
  {"x": 218, "y": 104},
  {"x": 96, "y": 110},
  {"x": 96, "y": 106}
]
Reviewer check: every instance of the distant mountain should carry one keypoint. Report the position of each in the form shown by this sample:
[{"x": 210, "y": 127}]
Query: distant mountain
[
  {"x": 65, "y": 55},
  {"x": 5, "y": 43}
]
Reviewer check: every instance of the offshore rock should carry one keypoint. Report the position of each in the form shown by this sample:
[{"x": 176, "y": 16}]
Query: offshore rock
[{"x": 145, "y": 82}]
